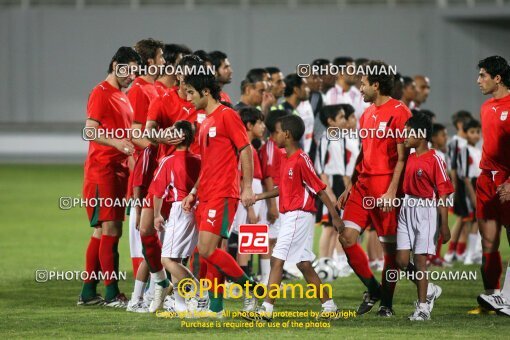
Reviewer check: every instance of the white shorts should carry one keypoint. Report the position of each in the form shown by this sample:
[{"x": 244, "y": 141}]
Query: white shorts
[
  {"x": 274, "y": 228},
  {"x": 181, "y": 233},
  {"x": 241, "y": 216},
  {"x": 135, "y": 242},
  {"x": 295, "y": 240},
  {"x": 417, "y": 228}
]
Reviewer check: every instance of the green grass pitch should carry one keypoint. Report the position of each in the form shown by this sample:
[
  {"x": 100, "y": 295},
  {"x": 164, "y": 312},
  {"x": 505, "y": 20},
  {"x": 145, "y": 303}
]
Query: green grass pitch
[{"x": 36, "y": 234}]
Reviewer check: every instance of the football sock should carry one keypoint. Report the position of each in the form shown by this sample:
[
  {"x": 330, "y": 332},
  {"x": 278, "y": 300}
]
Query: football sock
[
  {"x": 109, "y": 258},
  {"x": 138, "y": 290},
  {"x": 491, "y": 270},
  {"x": 388, "y": 287},
  {"x": 265, "y": 269},
  {"x": 461, "y": 248},
  {"x": 135, "y": 261},
  {"x": 452, "y": 246},
  {"x": 226, "y": 265},
  {"x": 358, "y": 261},
  {"x": 152, "y": 252},
  {"x": 92, "y": 265}
]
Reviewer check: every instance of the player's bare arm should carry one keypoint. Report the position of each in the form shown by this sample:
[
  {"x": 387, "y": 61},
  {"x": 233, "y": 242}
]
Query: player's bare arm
[
  {"x": 189, "y": 201},
  {"x": 272, "y": 210},
  {"x": 343, "y": 197},
  {"x": 443, "y": 213},
  {"x": 123, "y": 145},
  {"x": 391, "y": 193},
  {"x": 504, "y": 192},
  {"x": 246, "y": 158},
  {"x": 140, "y": 142},
  {"x": 137, "y": 196},
  {"x": 267, "y": 194},
  {"x": 337, "y": 221}
]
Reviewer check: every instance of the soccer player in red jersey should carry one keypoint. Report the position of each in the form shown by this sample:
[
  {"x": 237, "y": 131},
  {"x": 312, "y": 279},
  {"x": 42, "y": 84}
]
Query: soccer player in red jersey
[
  {"x": 106, "y": 176},
  {"x": 377, "y": 175},
  {"x": 223, "y": 72},
  {"x": 172, "y": 53},
  {"x": 223, "y": 145},
  {"x": 493, "y": 185}
]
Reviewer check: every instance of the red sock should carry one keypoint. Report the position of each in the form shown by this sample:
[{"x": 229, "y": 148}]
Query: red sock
[
  {"x": 461, "y": 248},
  {"x": 491, "y": 270},
  {"x": 388, "y": 287},
  {"x": 452, "y": 246},
  {"x": 226, "y": 263},
  {"x": 203, "y": 268},
  {"x": 135, "y": 261},
  {"x": 92, "y": 263},
  {"x": 152, "y": 252},
  {"x": 215, "y": 276},
  {"x": 109, "y": 257},
  {"x": 439, "y": 245},
  {"x": 358, "y": 261}
]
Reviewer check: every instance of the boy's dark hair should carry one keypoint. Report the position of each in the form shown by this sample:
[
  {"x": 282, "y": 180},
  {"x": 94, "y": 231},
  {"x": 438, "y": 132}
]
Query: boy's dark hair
[
  {"x": 250, "y": 115},
  {"x": 429, "y": 113},
  {"x": 361, "y": 61},
  {"x": 342, "y": 61},
  {"x": 188, "y": 129},
  {"x": 471, "y": 124},
  {"x": 295, "y": 125},
  {"x": 273, "y": 117},
  {"x": 385, "y": 79},
  {"x": 321, "y": 62},
  {"x": 124, "y": 55},
  {"x": 460, "y": 117},
  {"x": 436, "y": 128},
  {"x": 148, "y": 48},
  {"x": 348, "y": 109},
  {"x": 421, "y": 122},
  {"x": 217, "y": 57},
  {"x": 201, "y": 82},
  {"x": 329, "y": 111},
  {"x": 291, "y": 81},
  {"x": 496, "y": 65},
  {"x": 407, "y": 81}
]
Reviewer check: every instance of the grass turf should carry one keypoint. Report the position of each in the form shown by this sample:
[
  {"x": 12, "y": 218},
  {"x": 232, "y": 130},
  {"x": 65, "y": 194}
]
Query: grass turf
[{"x": 37, "y": 235}]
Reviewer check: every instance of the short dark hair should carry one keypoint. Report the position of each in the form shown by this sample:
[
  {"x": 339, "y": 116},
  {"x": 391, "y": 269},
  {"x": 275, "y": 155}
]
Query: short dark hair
[
  {"x": 188, "y": 129},
  {"x": 201, "y": 82},
  {"x": 295, "y": 125},
  {"x": 203, "y": 55},
  {"x": 385, "y": 81},
  {"x": 252, "y": 77},
  {"x": 429, "y": 113},
  {"x": 291, "y": 81},
  {"x": 496, "y": 65},
  {"x": 436, "y": 128},
  {"x": 217, "y": 57},
  {"x": 348, "y": 109},
  {"x": 171, "y": 52},
  {"x": 361, "y": 61},
  {"x": 471, "y": 124},
  {"x": 342, "y": 61},
  {"x": 250, "y": 115},
  {"x": 460, "y": 117},
  {"x": 124, "y": 55},
  {"x": 329, "y": 111},
  {"x": 407, "y": 81},
  {"x": 321, "y": 62},
  {"x": 272, "y": 70},
  {"x": 421, "y": 122},
  {"x": 148, "y": 48},
  {"x": 272, "y": 118}
]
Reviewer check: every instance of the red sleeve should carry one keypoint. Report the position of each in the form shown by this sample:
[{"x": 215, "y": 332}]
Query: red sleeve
[
  {"x": 309, "y": 176},
  {"x": 154, "y": 111},
  {"x": 264, "y": 162},
  {"x": 400, "y": 123},
  {"x": 235, "y": 129},
  {"x": 140, "y": 103},
  {"x": 161, "y": 178},
  {"x": 96, "y": 107},
  {"x": 442, "y": 181}
]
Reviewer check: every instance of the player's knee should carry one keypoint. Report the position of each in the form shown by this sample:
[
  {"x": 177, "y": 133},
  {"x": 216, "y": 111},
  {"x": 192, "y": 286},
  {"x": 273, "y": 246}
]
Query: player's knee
[
  {"x": 347, "y": 240},
  {"x": 304, "y": 266},
  {"x": 204, "y": 250}
]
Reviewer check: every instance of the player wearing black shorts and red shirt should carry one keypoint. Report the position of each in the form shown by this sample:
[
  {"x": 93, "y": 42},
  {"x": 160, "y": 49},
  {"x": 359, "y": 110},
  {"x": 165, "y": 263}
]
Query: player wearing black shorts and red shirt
[{"x": 106, "y": 176}]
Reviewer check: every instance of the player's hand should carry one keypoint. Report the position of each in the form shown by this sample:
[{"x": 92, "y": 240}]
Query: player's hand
[
  {"x": 387, "y": 201},
  {"x": 445, "y": 233},
  {"x": 124, "y": 146},
  {"x": 343, "y": 198},
  {"x": 268, "y": 100},
  {"x": 272, "y": 213},
  {"x": 504, "y": 192},
  {"x": 137, "y": 225},
  {"x": 171, "y": 137},
  {"x": 252, "y": 217},
  {"x": 338, "y": 224},
  {"x": 247, "y": 197},
  {"x": 159, "y": 222},
  {"x": 188, "y": 202}
]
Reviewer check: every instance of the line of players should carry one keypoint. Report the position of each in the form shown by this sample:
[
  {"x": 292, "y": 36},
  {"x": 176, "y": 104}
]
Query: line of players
[{"x": 168, "y": 171}]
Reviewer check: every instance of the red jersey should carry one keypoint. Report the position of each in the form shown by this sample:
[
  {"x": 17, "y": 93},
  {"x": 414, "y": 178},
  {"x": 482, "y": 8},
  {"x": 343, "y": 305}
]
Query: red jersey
[
  {"x": 426, "y": 176},
  {"x": 495, "y": 120},
  {"x": 380, "y": 154},
  {"x": 222, "y": 136},
  {"x": 224, "y": 97},
  {"x": 110, "y": 107},
  {"x": 140, "y": 96},
  {"x": 161, "y": 88},
  {"x": 299, "y": 183},
  {"x": 257, "y": 171},
  {"x": 176, "y": 176},
  {"x": 270, "y": 158}
]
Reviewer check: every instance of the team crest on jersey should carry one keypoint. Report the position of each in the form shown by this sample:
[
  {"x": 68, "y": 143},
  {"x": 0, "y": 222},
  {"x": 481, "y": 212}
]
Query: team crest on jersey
[
  {"x": 290, "y": 173},
  {"x": 382, "y": 125},
  {"x": 200, "y": 118},
  {"x": 211, "y": 213},
  {"x": 419, "y": 172},
  {"x": 212, "y": 131},
  {"x": 503, "y": 116}
]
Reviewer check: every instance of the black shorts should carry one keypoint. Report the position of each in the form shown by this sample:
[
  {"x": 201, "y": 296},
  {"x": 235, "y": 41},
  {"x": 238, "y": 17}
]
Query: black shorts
[
  {"x": 460, "y": 207},
  {"x": 338, "y": 188}
]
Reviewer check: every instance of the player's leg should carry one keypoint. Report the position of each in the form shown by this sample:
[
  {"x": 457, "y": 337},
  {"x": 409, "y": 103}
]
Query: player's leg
[
  {"x": 328, "y": 232},
  {"x": 135, "y": 243},
  {"x": 136, "y": 303},
  {"x": 422, "y": 311},
  {"x": 88, "y": 295},
  {"x": 389, "y": 245}
]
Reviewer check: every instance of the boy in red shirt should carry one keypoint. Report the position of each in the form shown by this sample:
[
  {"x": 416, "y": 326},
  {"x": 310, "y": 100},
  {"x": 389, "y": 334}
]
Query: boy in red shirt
[
  {"x": 425, "y": 178},
  {"x": 298, "y": 185}
]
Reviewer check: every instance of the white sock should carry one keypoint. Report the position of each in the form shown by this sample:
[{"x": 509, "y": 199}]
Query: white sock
[
  {"x": 330, "y": 304},
  {"x": 269, "y": 307},
  {"x": 473, "y": 239},
  {"x": 152, "y": 285},
  {"x": 138, "y": 291},
  {"x": 180, "y": 302},
  {"x": 265, "y": 269},
  {"x": 430, "y": 288},
  {"x": 424, "y": 305},
  {"x": 158, "y": 276}
]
